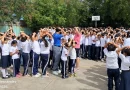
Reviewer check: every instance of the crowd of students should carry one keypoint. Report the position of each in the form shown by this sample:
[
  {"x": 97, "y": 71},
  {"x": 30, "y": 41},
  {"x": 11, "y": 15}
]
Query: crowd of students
[{"x": 61, "y": 48}]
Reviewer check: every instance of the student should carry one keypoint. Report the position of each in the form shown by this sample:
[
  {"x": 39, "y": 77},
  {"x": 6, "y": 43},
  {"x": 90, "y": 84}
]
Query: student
[
  {"x": 14, "y": 53},
  {"x": 86, "y": 46},
  {"x": 36, "y": 54},
  {"x": 26, "y": 48},
  {"x": 98, "y": 47},
  {"x": 112, "y": 65},
  {"x": 125, "y": 67},
  {"x": 64, "y": 56},
  {"x": 45, "y": 51},
  {"x": 5, "y": 57},
  {"x": 72, "y": 53},
  {"x": 90, "y": 46}
]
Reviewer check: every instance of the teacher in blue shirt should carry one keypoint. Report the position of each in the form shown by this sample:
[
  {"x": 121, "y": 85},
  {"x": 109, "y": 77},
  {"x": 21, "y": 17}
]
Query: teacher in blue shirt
[{"x": 57, "y": 50}]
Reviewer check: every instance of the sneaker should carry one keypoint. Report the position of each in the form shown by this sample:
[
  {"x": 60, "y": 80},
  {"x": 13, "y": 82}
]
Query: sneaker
[
  {"x": 74, "y": 75},
  {"x": 27, "y": 75},
  {"x": 55, "y": 73},
  {"x": 64, "y": 77},
  {"x": 59, "y": 71},
  {"x": 18, "y": 76},
  {"x": 45, "y": 76},
  {"x": 37, "y": 75},
  {"x": 6, "y": 77}
]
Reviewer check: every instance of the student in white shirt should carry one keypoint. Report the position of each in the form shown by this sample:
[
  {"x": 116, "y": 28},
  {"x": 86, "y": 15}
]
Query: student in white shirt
[
  {"x": 112, "y": 65},
  {"x": 72, "y": 53},
  {"x": 86, "y": 46},
  {"x": 26, "y": 48},
  {"x": 98, "y": 47},
  {"x": 125, "y": 67},
  {"x": 5, "y": 57},
  {"x": 64, "y": 56},
  {"x": 14, "y": 52},
  {"x": 103, "y": 42},
  {"x": 36, "y": 54},
  {"x": 90, "y": 47},
  {"x": 93, "y": 45},
  {"x": 45, "y": 51},
  {"x": 127, "y": 40}
]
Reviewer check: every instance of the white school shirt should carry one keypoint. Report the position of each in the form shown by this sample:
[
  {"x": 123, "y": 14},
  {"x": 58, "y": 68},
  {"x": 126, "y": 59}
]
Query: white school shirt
[
  {"x": 66, "y": 38},
  {"x": 83, "y": 39},
  {"x": 98, "y": 43},
  {"x": 13, "y": 49},
  {"x": 89, "y": 40},
  {"x": 5, "y": 49},
  {"x": 102, "y": 41},
  {"x": 71, "y": 36},
  {"x": 125, "y": 64},
  {"x": 19, "y": 44},
  {"x": 86, "y": 41},
  {"x": 81, "y": 42},
  {"x": 127, "y": 42},
  {"x": 111, "y": 59},
  {"x": 72, "y": 53},
  {"x": 93, "y": 38},
  {"x": 45, "y": 50},
  {"x": 64, "y": 54},
  {"x": 108, "y": 40},
  {"x": 36, "y": 47},
  {"x": 26, "y": 48}
]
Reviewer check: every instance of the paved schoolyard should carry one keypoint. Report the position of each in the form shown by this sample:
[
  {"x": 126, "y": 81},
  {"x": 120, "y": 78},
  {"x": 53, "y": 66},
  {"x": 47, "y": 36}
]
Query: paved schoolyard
[{"x": 91, "y": 76}]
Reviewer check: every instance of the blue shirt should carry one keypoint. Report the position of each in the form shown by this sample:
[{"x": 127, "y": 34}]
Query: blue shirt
[{"x": 57, "y": 39}]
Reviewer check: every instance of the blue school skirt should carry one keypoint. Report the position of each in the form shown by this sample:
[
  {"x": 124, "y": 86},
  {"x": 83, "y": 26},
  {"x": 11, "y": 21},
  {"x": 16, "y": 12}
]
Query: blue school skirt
[
  {"x": 125, "y": 80},
  {"x": 5, "y": 61}
]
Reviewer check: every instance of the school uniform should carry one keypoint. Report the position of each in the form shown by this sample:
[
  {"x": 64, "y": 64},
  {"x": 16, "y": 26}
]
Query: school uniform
[
  {"x": 89, "y": 47},
  {"x": 64, "y": 62},
  {"x": 93, "y": 47},
  {"x": 25, "y": 55},
  {"x": 112, "y": 69},
  {"x": 127, "y": 42},
  {"x": 5, "y": 56},
  {"x": 86, "y": 47},
  {"x": 16, "y": 61},
  {"x": 102, "y": 40},
  {"x": 72, "y": 54},
  {"x": 36, "y": 54},
  {"x": 125, "y": 75},
  {"x": 98, "y": 49},
  {"x": 45, "y": 51}
]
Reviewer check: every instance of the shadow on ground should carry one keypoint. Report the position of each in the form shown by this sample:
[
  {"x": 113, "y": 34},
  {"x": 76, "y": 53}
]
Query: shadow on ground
[{"x": 95, "y": 78}]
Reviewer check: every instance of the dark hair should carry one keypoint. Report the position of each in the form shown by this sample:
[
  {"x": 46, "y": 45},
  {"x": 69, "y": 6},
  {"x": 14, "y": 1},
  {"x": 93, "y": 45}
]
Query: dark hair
[
  {"x": 128, "y": 34},
  {"x": 13, "y": 37},
  {"x": 23, "y": 39},
  {"x": 126, "y": 51},
  {"x": 111, "y": 47},
  {"x": 14, "y": 42},
  {"x": 5, "y": 39},
  {"x": 58, "y": 30},
  {"x": 45, "y": 41},
  {"x": 66, "y": 45}
]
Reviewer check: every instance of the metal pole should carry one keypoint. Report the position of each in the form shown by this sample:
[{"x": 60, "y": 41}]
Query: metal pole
[{"x": 95, "y": 23}]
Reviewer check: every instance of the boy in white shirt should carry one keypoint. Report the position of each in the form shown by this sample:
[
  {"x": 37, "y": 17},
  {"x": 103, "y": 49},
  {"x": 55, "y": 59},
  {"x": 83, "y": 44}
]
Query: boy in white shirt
[
  {"x": 64, "y": 56},
  {"x": 14, "y": 52},
  {"x": 112, "y": 65}
]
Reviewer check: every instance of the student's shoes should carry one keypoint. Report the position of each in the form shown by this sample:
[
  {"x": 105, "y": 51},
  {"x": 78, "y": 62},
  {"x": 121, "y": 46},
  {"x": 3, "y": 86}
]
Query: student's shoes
[
  {"x": 64, "y": 77},
  {"x": 74, "y": 75},
  {"x": 37, "y": 75},
  {"x": 59, "y": 71},
  {"x": 6, "y": 77},
  {"x": 55, "y": 73},
  {"x": 18, "y": 76}
]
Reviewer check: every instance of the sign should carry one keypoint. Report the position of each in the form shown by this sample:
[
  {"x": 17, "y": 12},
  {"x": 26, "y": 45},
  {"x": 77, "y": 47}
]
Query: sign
[{"x": 95, "y": 18}]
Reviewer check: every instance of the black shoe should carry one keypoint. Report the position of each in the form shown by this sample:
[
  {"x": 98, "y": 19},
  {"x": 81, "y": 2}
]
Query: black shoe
[
  {"x": 64, "y": 77},
  {"x": 5, "y": 77}
]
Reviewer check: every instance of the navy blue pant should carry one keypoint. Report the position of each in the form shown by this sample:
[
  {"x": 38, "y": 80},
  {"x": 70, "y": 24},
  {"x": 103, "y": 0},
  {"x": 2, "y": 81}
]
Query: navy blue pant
[
  {"x": 102, "y": 52},
  {"x": 35, "y": 63},
  {"x": 93, "y": 51},
  {"x": 72, "y": 65},
  {"x": 45, "y": 60},
  {"x": 89, "y": 52},
  {"x": 26, "y": 59},
  {"x": 64, "y": 66},
  {"x": 113, "y": 74},
  {"x": 16, "y": 66},
  {"x": 97, "y": 56},
  {"x": 125, "y": 80}
]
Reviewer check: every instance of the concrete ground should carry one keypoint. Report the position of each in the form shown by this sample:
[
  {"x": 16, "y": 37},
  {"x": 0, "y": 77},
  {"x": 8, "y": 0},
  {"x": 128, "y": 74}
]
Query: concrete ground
[{"x": 91, "y": 76}]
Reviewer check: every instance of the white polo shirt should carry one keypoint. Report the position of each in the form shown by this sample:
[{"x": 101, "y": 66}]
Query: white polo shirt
[
  {"x": 26, "y": 46},
  {"x": 64, "y": 54},
  {"x": 125, "y": 64},
  {"x": 93, "y": 38},
  {"x": 86, "y": 41},
  {"x": 98, "y": 43},
  {"x": 127, "y": 42},
  {"x": 45, "y": 50},
  {"x": 13, "y": 50},
  {"x": 89, "y": 40},
  {"x": 72, "y": 53},
  {"x": 36, "y": 47},
  {"x": 102, "y": 42},
  {"x": 5, "y": 49},
  {"x": 111, "y": 59}
]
